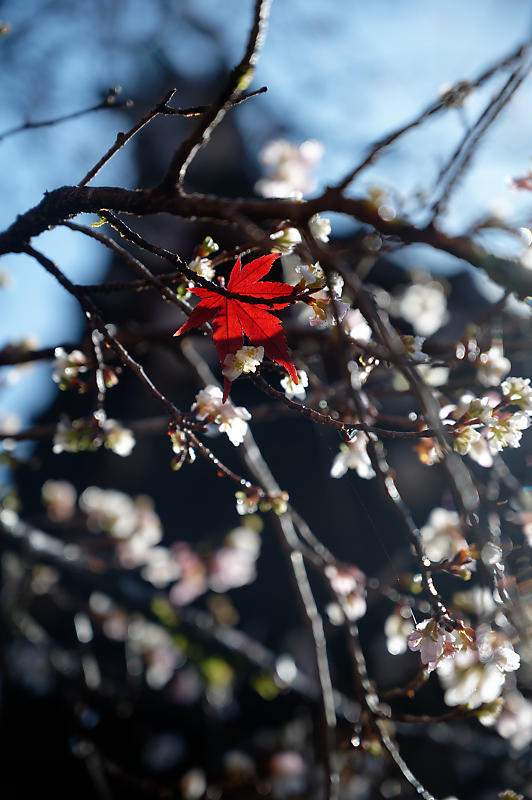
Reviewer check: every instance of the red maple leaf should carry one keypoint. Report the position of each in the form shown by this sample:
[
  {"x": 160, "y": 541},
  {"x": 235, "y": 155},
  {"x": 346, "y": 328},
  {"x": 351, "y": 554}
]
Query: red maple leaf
[{"x": 232, "y": 318}]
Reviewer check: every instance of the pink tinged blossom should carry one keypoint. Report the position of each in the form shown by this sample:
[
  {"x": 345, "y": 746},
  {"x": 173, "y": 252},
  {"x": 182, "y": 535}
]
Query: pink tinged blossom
[
  {"x": 356, "y": 326},
  {"x": 349, "y": 583},
  {"x": 477, "y": 675},
  {"x": 515, "y": 721},
  {"x": 289, "y": 168},
  {"x": 230, "y": 568},
  {"x": 432, "y": 642},
  {"x": 345, "y": 580},
  {"x": 193, "y": 581}
]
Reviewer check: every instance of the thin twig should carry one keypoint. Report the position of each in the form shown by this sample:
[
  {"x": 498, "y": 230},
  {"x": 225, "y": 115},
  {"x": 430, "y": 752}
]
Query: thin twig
[
  {"x": 107, "y": 102},
  {"x": 196, "y": 111},
  {"x": 443, "y": 103},
  {"x": 122, "y": 138}
]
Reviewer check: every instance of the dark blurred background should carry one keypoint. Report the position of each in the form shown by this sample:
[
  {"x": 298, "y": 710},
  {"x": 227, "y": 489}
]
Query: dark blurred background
[{"x": 344, "y": 74}]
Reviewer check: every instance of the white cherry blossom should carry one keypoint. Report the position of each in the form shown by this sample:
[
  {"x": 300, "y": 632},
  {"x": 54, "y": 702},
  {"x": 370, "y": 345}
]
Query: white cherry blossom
[
  {"x": 203, "y": 267},
  {"x": 244, "y": 361},
  {"x": 320, "y": 227},
  {"x": 518, "y": 392},
  {"x": 431, "y": 640},
  {"x": 292, "y": 389},
  {"x": 442, "y": 534},
  {"x": 285, "y": 241},
  {"x": 507, "y": 432},
  {"x": 353, "y": 456},
  {"x": 493, "y": 366},
  {"x": 424, "y": 305}
]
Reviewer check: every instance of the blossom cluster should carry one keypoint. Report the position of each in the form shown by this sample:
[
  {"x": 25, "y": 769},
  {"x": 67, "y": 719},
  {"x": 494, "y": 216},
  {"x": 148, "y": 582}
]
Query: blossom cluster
[
  {"x": 289, "y": 168},
  {"x": 499, "y": 427},
  {"x": 74, "y": 436},
  {"x": 349, "y": 584},
  {"x": 230, "y": 419}
]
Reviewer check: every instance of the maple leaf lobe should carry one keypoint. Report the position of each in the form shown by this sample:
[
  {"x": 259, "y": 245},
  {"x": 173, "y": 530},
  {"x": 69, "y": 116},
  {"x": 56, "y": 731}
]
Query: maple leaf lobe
[{"x": 233, "y": 318}]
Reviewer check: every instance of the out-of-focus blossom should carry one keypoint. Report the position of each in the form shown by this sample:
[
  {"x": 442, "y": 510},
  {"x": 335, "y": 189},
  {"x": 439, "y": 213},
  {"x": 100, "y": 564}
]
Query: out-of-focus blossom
[
  {"x": 245, "y": 360},
  {"x": 289, "y": 168},
  {"x": 109, "y": 510},
  {"x": 478, "y": 600},
  {"x": 193, "y": 784},
  {"x": 320, "y": 227},
  {"x": 433, "y": 643},
  {"x": 234, "y": 564},
  {"x": 10, "y": 424},
  {"x": 288, "y": 774},
  {"x": 59, "y": 497},
  {"x": 515, "y": 720},
  {"x": 518, "y": 392},
  {"x": 117, "y": 438},
  {"x": 193, "y": 580},
  {"x": 292, "y": 389},
  {"x": 442, "y": 535},
  {"x": 432, "y": 376},
  {"x": 230, "y": 419},
  {"x": 229, "y": 568},
  {"x": 285, "y": 241},
  {"x": 74, "y": 436},
  {"x": 424, "y": 305},
  {"x": 349, "y": 583},
  {"x": 68, "y": 367},
  {"x": 161, "y": 568},
  {"x": 493, "y": 366},
  {"x": 397, "y": 629},
  {"x": 132, "y": 522},
  {"x": 239, "y": 766},
  {"x": 480, "y": 452},
  {"x": 353, "y": 456},
  {"x": 412, "y": 346},
  {"x": 356, "y": 326},
  {"x": 477, "y": 675},
  {"x": 157, "y": 649}
]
